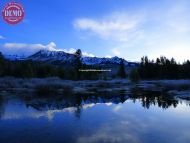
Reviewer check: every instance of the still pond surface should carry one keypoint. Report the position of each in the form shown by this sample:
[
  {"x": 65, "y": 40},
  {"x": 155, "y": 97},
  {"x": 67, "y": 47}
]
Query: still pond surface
[{"x": 146, "y": 118}]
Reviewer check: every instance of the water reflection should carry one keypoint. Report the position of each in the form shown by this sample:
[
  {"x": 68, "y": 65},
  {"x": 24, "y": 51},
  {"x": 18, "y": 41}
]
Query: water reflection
[
  {"x": 2, "y": 108},
  {"x": 78, "y": 102},
  {"x": 147, "y": 99},
  {"x": 154, "y": 98},
  {"x": 133, "y": 117}
]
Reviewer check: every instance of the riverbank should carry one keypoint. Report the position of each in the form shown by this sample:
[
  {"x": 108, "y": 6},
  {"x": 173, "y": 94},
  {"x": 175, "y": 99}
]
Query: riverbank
[{"x": 56, "y": 86}]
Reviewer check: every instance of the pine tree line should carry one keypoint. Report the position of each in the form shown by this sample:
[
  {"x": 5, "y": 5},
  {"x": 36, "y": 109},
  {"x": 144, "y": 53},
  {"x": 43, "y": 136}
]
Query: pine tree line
[
  {"x": 163, "y": 68},
  {"x": 30, "y": 69}
]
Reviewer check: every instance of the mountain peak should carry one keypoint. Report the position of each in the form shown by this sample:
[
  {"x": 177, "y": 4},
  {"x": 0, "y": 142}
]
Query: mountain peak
[{"x": 63, "y": 58}]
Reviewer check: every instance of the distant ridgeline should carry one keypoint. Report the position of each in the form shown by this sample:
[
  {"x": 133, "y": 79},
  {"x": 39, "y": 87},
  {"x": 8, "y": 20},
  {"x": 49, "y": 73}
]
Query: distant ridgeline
[
  {"x": 76, "y": 67},
  {"x": 46, "y": 63}
]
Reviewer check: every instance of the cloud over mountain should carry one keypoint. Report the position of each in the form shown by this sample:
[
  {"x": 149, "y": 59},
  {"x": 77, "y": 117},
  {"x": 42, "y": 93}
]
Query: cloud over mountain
[{"x": 25, "y": 49}]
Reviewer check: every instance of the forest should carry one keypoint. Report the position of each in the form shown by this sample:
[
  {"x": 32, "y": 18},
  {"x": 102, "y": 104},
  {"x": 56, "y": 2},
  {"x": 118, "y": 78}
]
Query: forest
[
  {"x": 162, "y": 68},
  {"x": 34, "y": 69}
]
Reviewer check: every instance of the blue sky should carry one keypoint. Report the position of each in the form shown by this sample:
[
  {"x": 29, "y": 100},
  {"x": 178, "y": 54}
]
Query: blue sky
[{"x": 124, "y": 28}]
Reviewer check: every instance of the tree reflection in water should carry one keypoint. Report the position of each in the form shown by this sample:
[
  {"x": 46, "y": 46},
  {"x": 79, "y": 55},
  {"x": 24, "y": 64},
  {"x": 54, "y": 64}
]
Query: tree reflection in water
[
  {"x": 2, "y": 106},
  {"x": 148, "y": 99}
]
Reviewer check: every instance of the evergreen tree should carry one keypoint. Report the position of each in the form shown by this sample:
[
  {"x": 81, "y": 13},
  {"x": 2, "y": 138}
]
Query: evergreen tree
[
  {"x": 163, "y": 68},
  {"x": 2, "y": 61},
  {"x": 78, "y": 53},
  {"x": 78, "y": 63},
  {"x": 121, "y": 71}
]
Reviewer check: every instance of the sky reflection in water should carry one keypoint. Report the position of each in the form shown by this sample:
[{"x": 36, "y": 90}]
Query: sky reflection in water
[{"x": 94, "y": 120}]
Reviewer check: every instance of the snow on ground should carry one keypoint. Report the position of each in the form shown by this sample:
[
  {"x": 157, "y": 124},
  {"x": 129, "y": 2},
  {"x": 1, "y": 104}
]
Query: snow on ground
[{"x": 178, "y": 88}]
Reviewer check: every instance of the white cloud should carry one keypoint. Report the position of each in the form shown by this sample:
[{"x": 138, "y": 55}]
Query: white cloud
[
  {"x": 116, "y": 52},
  {"x": 178, "y": 17},
  {"x": 24, "y": 49},
  {"x": 149, "y": 30},
  {"x": 117, "y": 26}
]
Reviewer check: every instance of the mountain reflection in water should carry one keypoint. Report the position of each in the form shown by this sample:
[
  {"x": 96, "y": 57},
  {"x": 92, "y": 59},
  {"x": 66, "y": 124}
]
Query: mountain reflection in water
[
  {"x": 121, "y": 117},
  {"x": 146, "y": 98}
]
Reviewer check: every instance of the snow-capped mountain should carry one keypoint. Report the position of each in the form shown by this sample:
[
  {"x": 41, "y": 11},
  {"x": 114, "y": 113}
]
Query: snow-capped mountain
[
  {"x": 51, "y": 56},
  {"x": 99, "y": 61},
  {"x": 62, "y": 57}
]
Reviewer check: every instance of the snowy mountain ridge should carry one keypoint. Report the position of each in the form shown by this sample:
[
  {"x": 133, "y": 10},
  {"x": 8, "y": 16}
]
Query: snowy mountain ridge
[
  {"x": 62, "y": 57},
  {"x": 45, "y": 55}
]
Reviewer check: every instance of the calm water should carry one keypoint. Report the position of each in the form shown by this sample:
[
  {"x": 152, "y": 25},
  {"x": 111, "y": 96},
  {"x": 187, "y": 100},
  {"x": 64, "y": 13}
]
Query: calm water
[{"x": 144, "y": 118}]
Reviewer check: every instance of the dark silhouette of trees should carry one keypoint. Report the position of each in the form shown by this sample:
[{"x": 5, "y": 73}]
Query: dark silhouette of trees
[
  {"x": 134, "y": 76},
  {"x": 29, "y": 69},
  {"x": 1, "y": 64},
  {"x": 78, "y": 63},
  {"x": 121, "y": 71},
  {"x": 78, "y": 53},
  {"x": 163, "y": 68}
]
